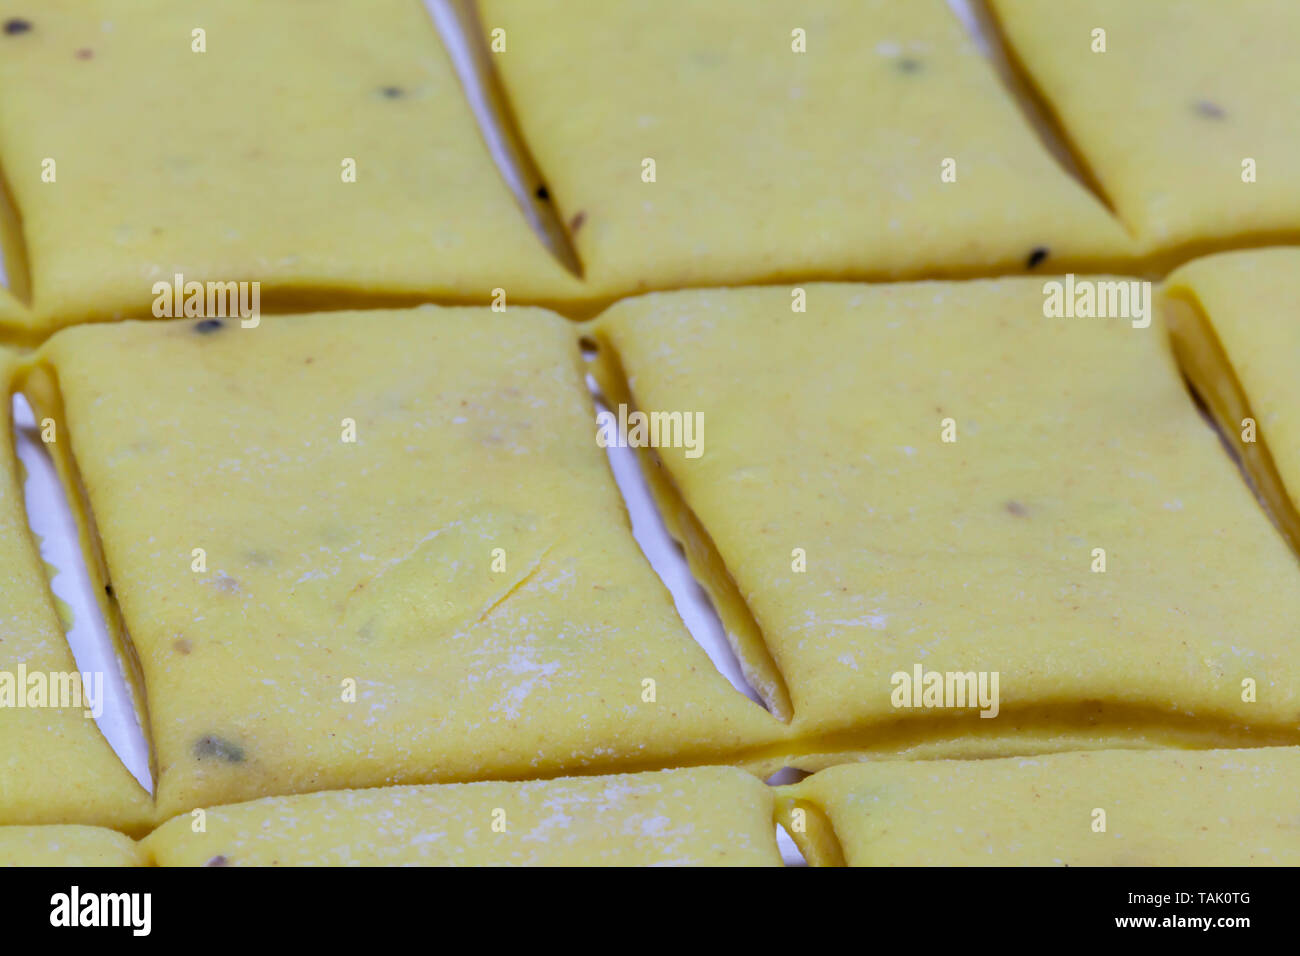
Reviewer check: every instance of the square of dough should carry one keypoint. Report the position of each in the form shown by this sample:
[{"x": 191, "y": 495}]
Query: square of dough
[
  {"x": 1161, "y": 808},
  {"x": 707, "y": 816},
  {"x": 55, "y": 765},
  {"x": 1185, "y": 92},
  {"x": 67, "y": 846},
  {"x": 1083, "y": 535},
  {"x": 228, "y": 164},
  {"x": 774, "y": 164},
  {"x": 1234, "y": 325},
  {"x": 353, "y": 550}
]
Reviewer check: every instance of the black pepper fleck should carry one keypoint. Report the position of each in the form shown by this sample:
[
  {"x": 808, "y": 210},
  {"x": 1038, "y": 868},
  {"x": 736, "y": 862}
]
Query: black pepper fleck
[
  {"x": 1210, "y": 110},
  {"x": 211, "y": 746},
  {"x": 16, "y": 25},
  {"x": 1036, "y": 257},
  {"x": 542, "y": 193},
  {"x": 1016, "y": 508},
  {"x": 108, "y": 589},
  {"x": 208, "y": 326},
  {"x": 218, "y": 861},
  {"x": 392, "y": 92},
  {"x": 909, "y": 65}
]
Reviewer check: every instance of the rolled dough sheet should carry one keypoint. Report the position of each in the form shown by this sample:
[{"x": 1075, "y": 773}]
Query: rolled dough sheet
[
  {"x": 1164, "y": 119},
  {"x": 229, "y": 164},
  {"x": 454, "y": 595},
  {"x": 55, "y": 765},
  {"x": 67, "y": 846},
  {"x": 1084, "y": 538},
  {"x": 1105, "y": 808},
  {"x": 708, "y": 816},
  {"x": 770, "y": 164},
  {"x": 1237, "y": 334}
]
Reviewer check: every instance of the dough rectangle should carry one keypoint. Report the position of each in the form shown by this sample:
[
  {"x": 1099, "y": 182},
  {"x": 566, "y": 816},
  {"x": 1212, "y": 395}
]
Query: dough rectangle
[
  {"x": 1182, "y": 111},
  {"x": 357, "y": 550},
  {"x": 1232, "y": 318},
  {"x": 707, "y": 816},
  {"x": 771, "y": 162},
  {"x": 1106, "y": 808},
  {"x": 231, "y": 164},
  {"x": 1082, "y": 539},
  {"x": 67, "y": 845}
]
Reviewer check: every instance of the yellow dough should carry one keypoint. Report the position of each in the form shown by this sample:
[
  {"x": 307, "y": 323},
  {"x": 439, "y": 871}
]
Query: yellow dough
[
  {"x": 229, "y": 164},
  {"x": 709, "y": 816},
  {"x": 1166, "y": 118},
  {"x": 1234, "y": 327},
  {"x": 67, "y": 846},
  {"x": 55, "y": 766},
  {"x": 1083, "y": 537},
  {"x": 772, "y": 164},
  {"x": 14, "y": 317},
  {"x": 1106, "y": 808},
  {"x": 453, "y": 595}
]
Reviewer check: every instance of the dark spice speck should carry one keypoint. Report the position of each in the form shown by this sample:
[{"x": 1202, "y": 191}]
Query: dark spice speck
[
  {"x": 218, "y": 861},
  {"x": 1209, "y": 110},
  {"x": 909, "y": 65},
  {"x": 218, "y": 747},
  {"x": 542, "y": 193},
  {"x": 17, "y": 25},
  {"x": 1036, "y": 257},
  {"x": 392, "y": 92},
  {"x": 85, "y": 53},
  {"x": 208, "y": 326},
  {"x": 108, "y": 589}
]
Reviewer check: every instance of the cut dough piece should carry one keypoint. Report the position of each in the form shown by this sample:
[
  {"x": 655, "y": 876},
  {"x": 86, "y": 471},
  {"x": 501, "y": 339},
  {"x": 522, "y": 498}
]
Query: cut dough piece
[
  {"x": 857, "y": 545},
  {"x": 709, "y": 816},
  {"x": 229, "y": 164},
  {"x": 1167, "y": 117},
  {"x": 772, "y": 164},
  {"x": 55, "y": 765},
  {"x": 1161, "y": 808},
  {"x": 67, "y": 846},
  {"x": 453, "y": 595},
  {"x": 1237, "y": 336}
]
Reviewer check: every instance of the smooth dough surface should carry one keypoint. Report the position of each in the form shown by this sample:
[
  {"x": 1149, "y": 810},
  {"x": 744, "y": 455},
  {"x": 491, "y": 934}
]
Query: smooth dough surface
[
  {"x": 1237, "y": 333},
  {"x": 771, "y": 163},
  {"x": 55, "y": 765},
  {"x": 228, "y": 164},
  {"x": 15, "y": 322},
  {"x": 67, "y": 846},
  {"x": 707, "y": 816},
  {"x": 1186, "y": 91},
  {"x": 862, "y": 545},
  {"x": 1162, "y": 808},
  {"x": 454, "y": 595}
]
